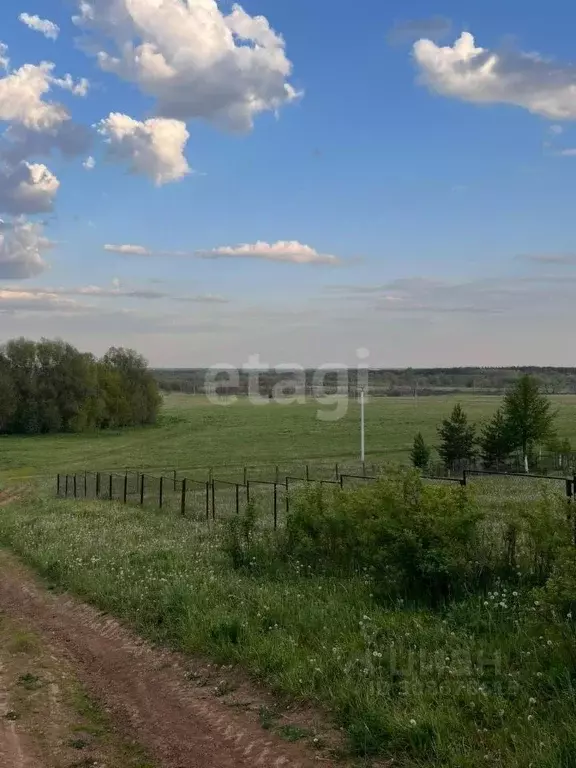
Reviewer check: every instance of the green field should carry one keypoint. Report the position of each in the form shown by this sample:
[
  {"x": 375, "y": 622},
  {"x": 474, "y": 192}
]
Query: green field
[
  {"x": 194, "y": 433},
  {"x": 405, "y": 679}
]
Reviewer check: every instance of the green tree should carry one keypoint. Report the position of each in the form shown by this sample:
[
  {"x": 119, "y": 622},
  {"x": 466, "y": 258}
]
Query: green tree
[
  {"x": 529, "y": 416},
  {"x": 457, "y": 439},
  {"x": 496, "y": 443},
  {"x": 420, "y": 453}
]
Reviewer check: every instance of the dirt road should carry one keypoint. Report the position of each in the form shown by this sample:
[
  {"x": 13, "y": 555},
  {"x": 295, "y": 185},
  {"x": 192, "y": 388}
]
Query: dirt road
[{"x": 161, "y": 708}]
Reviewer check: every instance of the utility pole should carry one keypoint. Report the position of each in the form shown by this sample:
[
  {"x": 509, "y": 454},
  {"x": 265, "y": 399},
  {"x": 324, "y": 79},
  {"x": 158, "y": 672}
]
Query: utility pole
[{"x": 362, "y": 432}]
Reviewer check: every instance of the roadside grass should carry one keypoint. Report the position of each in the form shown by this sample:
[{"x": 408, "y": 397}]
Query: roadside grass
[
  {"x": 193, "y": 433},
  {"x": 487, "y": 680}
]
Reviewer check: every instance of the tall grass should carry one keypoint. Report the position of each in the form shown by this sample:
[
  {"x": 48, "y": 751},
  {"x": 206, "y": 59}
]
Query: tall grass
[{"x": 483, "y": 676}]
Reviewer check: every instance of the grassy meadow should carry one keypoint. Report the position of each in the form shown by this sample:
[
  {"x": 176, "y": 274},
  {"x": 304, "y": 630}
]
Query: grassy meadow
[
  {"x": 484, "y": 676},
  {"x": 194, "y": 433}
]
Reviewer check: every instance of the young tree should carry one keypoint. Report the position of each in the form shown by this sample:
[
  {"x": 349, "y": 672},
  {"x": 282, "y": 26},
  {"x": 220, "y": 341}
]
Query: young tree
[
  {"x": 529, "y": 416},
  {"x": 496, "y": 443},
  {"x": 420, "y": 453},
  {"x": 457, "y": 439}
]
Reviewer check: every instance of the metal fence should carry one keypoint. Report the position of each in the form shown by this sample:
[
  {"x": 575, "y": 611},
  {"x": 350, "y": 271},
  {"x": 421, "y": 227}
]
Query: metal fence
[{"x": 218, "y": 498}]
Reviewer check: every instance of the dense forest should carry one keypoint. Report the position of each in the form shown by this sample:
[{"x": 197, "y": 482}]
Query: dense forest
[
  {"x": 49, "y": 386},
  {"x": 382, "y": 382}
]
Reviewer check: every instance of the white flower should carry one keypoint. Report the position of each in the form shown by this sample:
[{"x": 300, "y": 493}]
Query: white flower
[
  {"x": 530, "y": 717},
  {"x": 532, "y": 700},
  {"x": 412, "y": 722},
  {"x": 514, "y": 594}
]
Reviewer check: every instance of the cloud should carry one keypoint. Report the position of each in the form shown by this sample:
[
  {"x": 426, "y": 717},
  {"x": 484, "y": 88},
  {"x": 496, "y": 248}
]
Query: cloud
[
  {"x": 153, "y": 148},
  {"x": 283, "y": 251},
  {"x": 23, "y": 300},
  {"x": 45, "y": 27},
  {"x": 434, "y": 28},
  {"x": 567, "y": 152},
  {"x": 89, "y": 164},
  {"x": 556, "y": 130},
  {"x": 549, "y": 258},
  {"x": 37, "y": 126},
  {"x": 22, "y": 244},
  {"x": 27, "y": 188},
  {"x": 129, "y": 250},
  {"x": 207, "y": 298},
  {"x": 465, "y": 71},
  {"x": 193, "y": 59}
]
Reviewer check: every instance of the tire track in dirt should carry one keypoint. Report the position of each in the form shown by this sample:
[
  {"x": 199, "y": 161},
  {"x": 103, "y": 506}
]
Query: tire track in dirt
[
  {"x": 12, "y": 749},
  {"x": 181, "y": 724}
]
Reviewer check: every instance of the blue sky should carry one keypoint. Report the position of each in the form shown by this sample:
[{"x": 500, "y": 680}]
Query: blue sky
[{"x": 296, "y": 186}]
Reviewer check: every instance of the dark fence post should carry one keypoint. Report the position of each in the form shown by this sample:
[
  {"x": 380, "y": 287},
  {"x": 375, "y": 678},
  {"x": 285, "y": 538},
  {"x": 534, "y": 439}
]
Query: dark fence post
[
  {"x": 126, "y": 488},
  {"x": 275, "y": 506},
  {"x": 97, "y": 485},
  {"x": 142, "y": 481},
  {"x": 161, "y": 493},
  {"x": 175, "y": 473},
  {"x": 213, "y": 489},
  {"x": 307, "y": 472},
  {"x": 237, "y": 499},
  {"x": 111, "y": 487},
  {"x": 75, "y": 487},
  {"x": 569, "y": 489},
  {"x": 58, "y": 485},
  {"x": 465, "y": 477},
  {"x": 183, "y": 498},
  {"x": 248, "y": 492},
  {"x": 342, "y": 481}
]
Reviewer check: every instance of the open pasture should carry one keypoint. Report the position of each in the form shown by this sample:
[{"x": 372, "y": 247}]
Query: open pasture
[{"x": 194, "y": 434}]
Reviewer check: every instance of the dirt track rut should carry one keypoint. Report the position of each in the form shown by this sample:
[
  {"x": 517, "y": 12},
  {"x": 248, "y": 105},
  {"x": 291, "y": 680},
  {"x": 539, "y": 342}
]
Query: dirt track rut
[{"x": 146, "y": 691}]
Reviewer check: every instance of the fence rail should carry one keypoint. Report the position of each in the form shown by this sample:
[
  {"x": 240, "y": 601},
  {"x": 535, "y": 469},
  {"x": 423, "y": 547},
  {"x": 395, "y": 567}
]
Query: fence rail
[{"x": 217, "y": 498}]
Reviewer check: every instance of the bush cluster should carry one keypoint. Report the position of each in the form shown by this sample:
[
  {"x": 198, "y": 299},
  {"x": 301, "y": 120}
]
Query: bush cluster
[{"x": 49, "y": 386}]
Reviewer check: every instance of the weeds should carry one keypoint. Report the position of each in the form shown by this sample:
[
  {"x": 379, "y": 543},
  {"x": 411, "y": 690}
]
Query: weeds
[{"x": 474, "y": 670}]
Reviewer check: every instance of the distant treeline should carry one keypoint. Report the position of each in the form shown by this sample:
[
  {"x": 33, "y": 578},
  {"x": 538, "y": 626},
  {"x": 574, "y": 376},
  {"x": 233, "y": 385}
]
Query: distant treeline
[
  {"x": 49, "y": 386},
  {"x": 382, "y": 382}
]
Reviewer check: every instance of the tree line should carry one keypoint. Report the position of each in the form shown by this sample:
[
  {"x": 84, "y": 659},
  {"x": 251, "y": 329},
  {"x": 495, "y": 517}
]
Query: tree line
[
  {"x": 525, "y": 420},
  {"x": 50, "y": 386},
  {"x": 414, "y": 382}
]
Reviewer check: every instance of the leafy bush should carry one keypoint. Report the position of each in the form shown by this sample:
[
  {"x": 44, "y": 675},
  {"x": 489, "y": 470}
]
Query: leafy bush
[{"x": 417, "y": 541}]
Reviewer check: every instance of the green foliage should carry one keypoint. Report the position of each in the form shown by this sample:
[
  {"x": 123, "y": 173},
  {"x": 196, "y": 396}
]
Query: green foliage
[
  {"x": 420, "y": 454},
  {"x": 415, "y": 539},
  {"x": 528, "y": 415},
  {"x": 239, "y": 536},
  {"x": 496, "y": 443},
  {"x": 49, "y": 387},
  {"x": 485, "y": 680},
  {"x": 457, "y": 439}
]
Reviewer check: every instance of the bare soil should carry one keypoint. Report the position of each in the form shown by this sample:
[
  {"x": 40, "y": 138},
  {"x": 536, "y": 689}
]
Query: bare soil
[{"x": 147, "y": 707}]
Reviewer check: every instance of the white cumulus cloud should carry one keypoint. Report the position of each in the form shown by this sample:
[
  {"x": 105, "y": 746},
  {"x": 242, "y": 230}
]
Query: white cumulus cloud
[
  {"x": 45, "y": 27},
  {"x": 128, "y": 250},
  {"x": 27, "y": 188},
  {"x": 284, "y": 251},
  {"x": 471, "y": 73},
  {"x": 196, "y": 61},
  {"x": 89, "y": 164},
  {"x": 22, "y": 243},
  {"x": 153, "y": 148}
]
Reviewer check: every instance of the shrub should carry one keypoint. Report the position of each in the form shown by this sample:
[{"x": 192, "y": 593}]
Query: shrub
[{"x": 417, "y": 541}]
